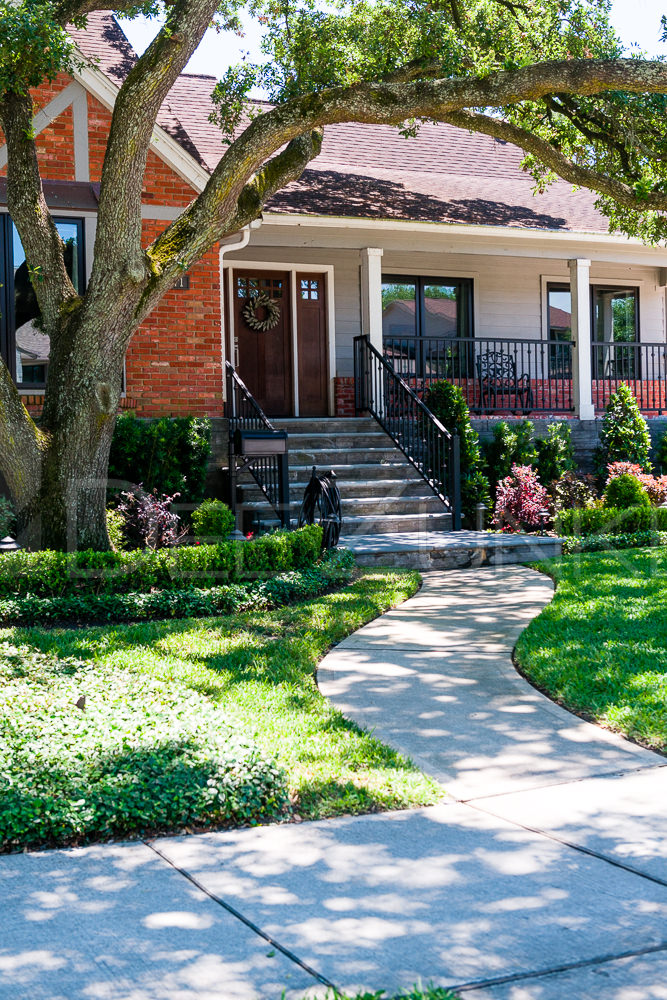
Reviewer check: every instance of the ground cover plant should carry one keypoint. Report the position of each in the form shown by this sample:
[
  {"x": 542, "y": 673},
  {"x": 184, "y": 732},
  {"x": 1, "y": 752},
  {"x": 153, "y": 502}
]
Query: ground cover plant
[
  {"x": 229, "y": 700},
  {"x": 600, "y": 647}
]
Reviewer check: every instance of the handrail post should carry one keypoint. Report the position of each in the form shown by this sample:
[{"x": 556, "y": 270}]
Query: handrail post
[
  {"x": 283, "y": 491},
  {"x": 455, "y": 452}
]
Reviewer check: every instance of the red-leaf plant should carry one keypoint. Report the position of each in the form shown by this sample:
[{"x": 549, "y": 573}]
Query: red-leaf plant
[{"x": 520, "y": 500}]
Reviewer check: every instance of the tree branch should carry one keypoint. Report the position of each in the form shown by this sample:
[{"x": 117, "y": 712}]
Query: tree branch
[
  {"x": 195, "y": 231},
  {"x": 118, "y": 241},
  {"x": 21, "y": 444},
  {"x": 586, "y": 177},
  {"x": 41, "y": 241}
]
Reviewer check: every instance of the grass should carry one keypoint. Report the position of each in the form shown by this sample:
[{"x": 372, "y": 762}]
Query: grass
[
  {"x": 600, "y": 648},
  {"x": 252, "y": 674}
]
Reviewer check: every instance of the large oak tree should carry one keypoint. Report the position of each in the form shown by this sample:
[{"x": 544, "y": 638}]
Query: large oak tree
[{"x": 546, "y": 75}]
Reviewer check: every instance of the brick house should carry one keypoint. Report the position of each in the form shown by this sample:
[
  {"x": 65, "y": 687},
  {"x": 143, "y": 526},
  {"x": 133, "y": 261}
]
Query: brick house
[
  {"x": 419, "y": 244},
  {"x": 435, "y": 248}
]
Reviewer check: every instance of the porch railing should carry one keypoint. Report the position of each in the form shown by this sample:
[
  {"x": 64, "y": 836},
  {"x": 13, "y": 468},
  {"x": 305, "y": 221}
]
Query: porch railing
[
  {"x": 641, "y": 366},
  {"x": 270, "y": 472},
  {"x": 426, "y": 443},
  {"x": 496, "y": 375}
]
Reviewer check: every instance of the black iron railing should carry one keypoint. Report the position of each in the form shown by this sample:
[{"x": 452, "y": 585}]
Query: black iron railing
[
  {"x": 641, "y": 366},
  {"x": 250, "y": 434},
  {"x": 425, "y": 442},
  {"x": 495, "y": 374}
]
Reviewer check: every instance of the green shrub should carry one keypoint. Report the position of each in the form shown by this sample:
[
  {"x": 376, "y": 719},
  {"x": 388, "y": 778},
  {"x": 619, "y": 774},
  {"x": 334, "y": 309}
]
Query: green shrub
[
  {"x": 625, "y": 491},
  {"x": 605, "y": 543},
  {"x": 601, "y": 520},
  {"x": 447, "y": 403},
  {"x": 555, "y": 453},
  {"x": 624, "y": 436},
  {"x": 50, "y": 574},
  {"x": 511, "y": 444},
  {"x": 212, "y": 519},
  {"x": 169, "y": 455},
  {"x": 142, "y": 754},
  {"x": 283, "y": 588}
]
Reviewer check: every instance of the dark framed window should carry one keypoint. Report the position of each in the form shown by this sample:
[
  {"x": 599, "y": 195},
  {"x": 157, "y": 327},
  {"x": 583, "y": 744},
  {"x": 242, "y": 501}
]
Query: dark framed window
[
  {"x": 425, "y": 325},
  {"x": 614, "y": 330},
  {"x": 559, "y": 318},
  {"x": 25, "y": 347}
]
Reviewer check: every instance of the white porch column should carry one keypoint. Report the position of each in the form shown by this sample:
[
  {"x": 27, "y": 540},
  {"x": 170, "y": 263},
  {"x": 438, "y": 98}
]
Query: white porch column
[
  {"x": 371, "y": 295},
  {"x": 582, "y": 376}
]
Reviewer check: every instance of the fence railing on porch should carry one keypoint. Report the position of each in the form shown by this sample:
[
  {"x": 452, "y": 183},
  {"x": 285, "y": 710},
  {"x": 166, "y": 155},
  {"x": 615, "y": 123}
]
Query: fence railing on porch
[
  {"x": 270, "y": 472},
  {"x": 426, "y": 443},
  {"x": 496, "y": 375},
  {"x": 639, "y": 365}
]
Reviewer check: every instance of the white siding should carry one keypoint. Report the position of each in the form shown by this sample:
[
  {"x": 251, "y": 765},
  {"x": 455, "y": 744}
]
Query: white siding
[{"x": 508, "y": 281}]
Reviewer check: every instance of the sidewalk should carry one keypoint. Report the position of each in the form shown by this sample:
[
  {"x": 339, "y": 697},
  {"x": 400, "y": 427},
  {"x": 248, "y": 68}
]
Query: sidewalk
[{"x": 543, "y": 877}]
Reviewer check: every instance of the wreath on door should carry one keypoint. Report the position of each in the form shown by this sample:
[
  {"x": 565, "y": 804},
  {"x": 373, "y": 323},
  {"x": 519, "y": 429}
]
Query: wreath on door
[{"x": 260, "y": 300}]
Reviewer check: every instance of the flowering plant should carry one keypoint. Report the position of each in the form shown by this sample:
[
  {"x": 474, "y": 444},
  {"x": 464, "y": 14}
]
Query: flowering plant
[{"x": 520, "y": 500}]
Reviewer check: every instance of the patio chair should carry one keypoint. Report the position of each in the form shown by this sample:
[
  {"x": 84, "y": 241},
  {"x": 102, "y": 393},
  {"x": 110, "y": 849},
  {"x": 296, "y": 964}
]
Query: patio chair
[{"x": 498, "y": 380}]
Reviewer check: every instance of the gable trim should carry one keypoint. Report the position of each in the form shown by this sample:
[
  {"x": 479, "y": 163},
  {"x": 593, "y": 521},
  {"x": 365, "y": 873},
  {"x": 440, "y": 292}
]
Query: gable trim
[{"x": 170, "y": 151}]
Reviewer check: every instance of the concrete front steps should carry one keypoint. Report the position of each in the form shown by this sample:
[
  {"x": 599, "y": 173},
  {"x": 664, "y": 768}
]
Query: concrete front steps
[
  {"x": 381, "y": 492},
  {"x": 431, "y": 550}
]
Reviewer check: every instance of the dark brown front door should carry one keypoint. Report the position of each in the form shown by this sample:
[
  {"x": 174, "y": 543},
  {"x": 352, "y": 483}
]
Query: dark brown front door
[
  {"x": 265, "y": 356},
  {"x": 312, "y": 345}
]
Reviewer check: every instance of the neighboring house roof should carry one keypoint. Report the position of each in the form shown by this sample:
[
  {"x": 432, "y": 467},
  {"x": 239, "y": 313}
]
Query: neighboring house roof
[
  {"x": 370, "y": 171},
  {"x": 559, "y": 319},
  {"x": 32, "y": 344}
]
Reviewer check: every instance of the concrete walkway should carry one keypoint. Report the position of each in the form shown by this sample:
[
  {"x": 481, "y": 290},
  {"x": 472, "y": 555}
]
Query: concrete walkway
[{"x": 543, "y": 876}]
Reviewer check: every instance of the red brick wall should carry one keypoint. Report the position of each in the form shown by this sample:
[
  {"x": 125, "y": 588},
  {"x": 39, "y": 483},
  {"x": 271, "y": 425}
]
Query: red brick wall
[
  {"x": 174, "y": 361},
  {"x": 344, "y": 396}
]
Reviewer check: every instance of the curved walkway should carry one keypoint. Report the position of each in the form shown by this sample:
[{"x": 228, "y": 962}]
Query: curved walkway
[
  {"x": 542, "y": 877},
  {"x": 434, "y": 678}
]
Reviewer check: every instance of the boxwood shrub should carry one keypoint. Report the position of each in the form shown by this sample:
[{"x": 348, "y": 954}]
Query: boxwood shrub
[
  {"x": 51, "y": 574},
  {"x": 141, "y": 754},
  {"x": 610, "y": 521},
  {"x": 606, "y": 543},
  {"x": 282, "y": 588}
]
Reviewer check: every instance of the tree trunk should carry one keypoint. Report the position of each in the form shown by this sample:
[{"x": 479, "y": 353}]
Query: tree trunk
[{"x": 64, "y": 506}]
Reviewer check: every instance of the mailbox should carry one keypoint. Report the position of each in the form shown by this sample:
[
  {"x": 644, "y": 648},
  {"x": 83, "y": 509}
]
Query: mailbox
[{"x": 260, "y": 444}]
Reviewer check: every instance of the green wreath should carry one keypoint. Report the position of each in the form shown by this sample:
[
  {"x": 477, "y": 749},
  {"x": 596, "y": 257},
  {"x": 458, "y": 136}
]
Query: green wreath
[{"x": 260, "y": 300}]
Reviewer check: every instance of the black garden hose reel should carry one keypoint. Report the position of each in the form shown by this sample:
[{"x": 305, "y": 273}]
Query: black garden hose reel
[{"x": 321, "y": 505}]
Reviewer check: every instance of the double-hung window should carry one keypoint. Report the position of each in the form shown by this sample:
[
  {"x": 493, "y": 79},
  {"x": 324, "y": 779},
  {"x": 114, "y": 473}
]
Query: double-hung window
[
  {"x": 425, "y": 323},
  {"x": 25, "y": 347}
]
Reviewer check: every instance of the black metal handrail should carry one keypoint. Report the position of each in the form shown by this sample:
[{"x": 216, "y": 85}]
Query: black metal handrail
[
  {"x": 496, "y": 374},
  {"x": 643, "y": 366},
  {"x": 425, "y": 442},
  {"x": 270, "y": 471}
]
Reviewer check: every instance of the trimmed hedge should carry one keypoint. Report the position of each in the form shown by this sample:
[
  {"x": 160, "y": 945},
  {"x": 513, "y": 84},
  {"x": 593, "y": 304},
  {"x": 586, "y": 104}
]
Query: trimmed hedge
[
  {"x": 334, "y": 570},
  {"x": 610, "y": 521},
  {"x": 606, "y": 543},
  {"x": 60, "y": 574}
]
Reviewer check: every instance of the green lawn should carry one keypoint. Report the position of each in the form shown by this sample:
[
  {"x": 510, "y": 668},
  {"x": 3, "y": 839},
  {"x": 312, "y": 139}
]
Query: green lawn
[
  {"x": 173, "y": 709},
  {"x": 600, "y": 648}
]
